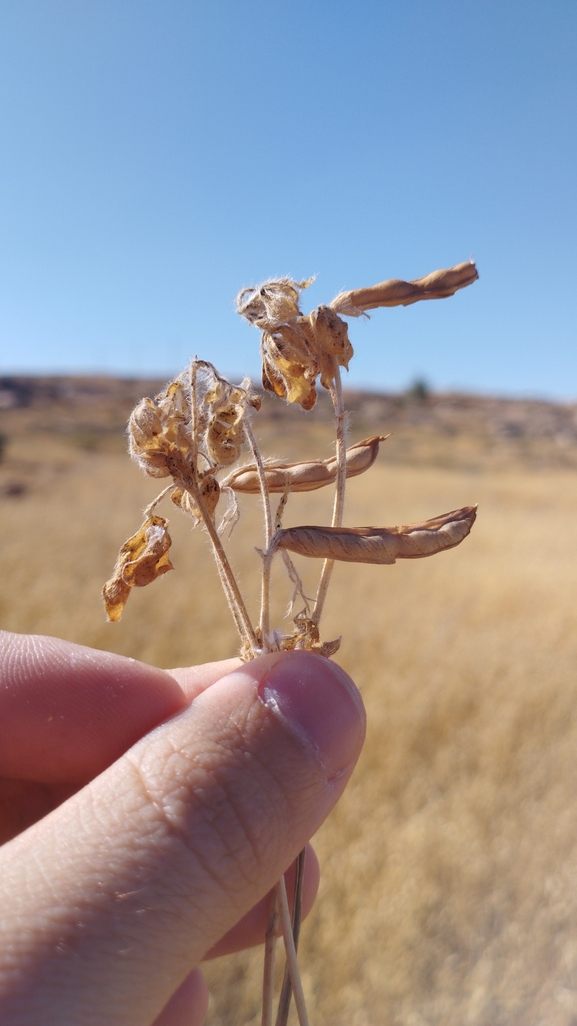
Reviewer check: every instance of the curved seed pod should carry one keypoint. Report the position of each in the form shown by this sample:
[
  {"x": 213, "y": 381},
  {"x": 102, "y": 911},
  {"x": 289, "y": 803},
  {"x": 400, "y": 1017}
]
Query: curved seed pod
[
  {"x": 380, "y": 544},
  {"x": 141, "y": 559},
  {"x": 306, "y": 476},
  {"x": 438, "y": 285}
]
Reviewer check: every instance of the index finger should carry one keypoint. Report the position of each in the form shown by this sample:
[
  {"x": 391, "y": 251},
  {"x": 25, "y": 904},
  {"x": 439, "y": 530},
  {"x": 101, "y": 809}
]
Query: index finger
[{"x": 67, "y": 711}]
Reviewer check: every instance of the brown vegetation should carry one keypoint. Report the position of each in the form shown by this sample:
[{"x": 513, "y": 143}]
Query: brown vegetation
[{"x": 449, "y": 891}]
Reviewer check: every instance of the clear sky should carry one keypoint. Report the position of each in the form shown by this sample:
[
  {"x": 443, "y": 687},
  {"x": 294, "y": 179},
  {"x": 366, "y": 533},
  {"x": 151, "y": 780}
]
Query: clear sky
[{"x": 156, "y": 155}]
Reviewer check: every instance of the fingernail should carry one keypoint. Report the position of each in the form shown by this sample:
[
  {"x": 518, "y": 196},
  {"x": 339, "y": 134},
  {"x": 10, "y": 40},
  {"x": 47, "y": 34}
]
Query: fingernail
[{"x": 318, "y": 701}]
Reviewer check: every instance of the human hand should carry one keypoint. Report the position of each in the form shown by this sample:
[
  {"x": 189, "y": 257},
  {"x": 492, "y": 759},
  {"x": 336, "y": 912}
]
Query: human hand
[{"x": 147, "y": 815}]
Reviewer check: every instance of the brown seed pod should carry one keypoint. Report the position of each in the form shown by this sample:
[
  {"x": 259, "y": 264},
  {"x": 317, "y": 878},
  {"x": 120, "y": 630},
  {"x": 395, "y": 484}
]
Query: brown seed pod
[
  {"x": 141, "y": 559},
  {"x": 438, "y": 285},
  {"x": 307, "y": 476},
  {"x": 380, "y": 544}
]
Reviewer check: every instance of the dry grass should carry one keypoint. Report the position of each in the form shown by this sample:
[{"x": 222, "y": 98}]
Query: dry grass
[{"x": 449, "y": 891}]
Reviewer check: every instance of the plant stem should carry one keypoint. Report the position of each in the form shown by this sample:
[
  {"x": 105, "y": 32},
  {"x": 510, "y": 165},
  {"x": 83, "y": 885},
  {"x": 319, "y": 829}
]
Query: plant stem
[
  {"x": 340, "y": 485},
  {"x": 291, "y": 954},
  {"x": 235, "y": 594},
  {"x": 269, "y": 953},
  {"x": 156, "y": 502},
  {"x": 231, "y": 589},
  {"x": 286, "y": 991},
  {"x": 264, "y": 620},
  {"x": 262, "y": 482},
  {"x": 265, "y": 595}
]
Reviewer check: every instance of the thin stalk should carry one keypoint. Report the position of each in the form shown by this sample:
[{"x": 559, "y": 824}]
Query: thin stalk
[
  {"x": 262, "y": 482},
  {"x": 268, "y": 532},
  {"x": 286, "y": 991},
  {"x": 227, "y": 579},
  {"x": 291, "y": 953},
  {"x": 232, "y": 590},
  {"x": 156, "y": 502},
  {"x": 229, "y": 598},
  {"x": 336, "y": 391},
  {"x": 265, "y": 593},
  {"x": 269, "y": 955}
]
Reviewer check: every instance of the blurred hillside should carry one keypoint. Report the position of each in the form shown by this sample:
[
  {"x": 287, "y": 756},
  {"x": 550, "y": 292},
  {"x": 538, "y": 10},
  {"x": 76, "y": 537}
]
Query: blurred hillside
[{"x": 444, "y": 430}]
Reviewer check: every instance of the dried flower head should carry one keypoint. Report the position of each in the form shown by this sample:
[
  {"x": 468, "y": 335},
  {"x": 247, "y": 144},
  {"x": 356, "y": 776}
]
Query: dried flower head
[
  {"x": 198, "y": 417},
  {"x": 141, "y": 559},
  {"x": 295, "y": 349},
  {"x": 272, "y": 303}
]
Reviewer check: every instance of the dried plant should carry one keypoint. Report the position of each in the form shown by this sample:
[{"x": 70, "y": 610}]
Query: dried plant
[{"x": 193, "y": 433}]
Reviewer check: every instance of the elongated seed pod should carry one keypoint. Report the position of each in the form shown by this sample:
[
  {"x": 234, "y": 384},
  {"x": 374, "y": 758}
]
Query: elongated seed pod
[
  {"x": 438, "y": 285},
  {"x": 308, "y": 475},
  {"x": 380, "y": 544}
]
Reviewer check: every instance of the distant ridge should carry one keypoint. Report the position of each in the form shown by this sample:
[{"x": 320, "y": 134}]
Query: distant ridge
[{"x": 445, "y": 413}]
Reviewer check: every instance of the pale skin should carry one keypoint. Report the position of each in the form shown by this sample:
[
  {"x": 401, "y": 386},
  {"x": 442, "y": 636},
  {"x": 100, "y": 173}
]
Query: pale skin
[{"x": 146, "y": 816}]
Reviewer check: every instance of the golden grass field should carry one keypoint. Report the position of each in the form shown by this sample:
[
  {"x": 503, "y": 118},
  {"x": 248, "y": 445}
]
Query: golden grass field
[{"x": 449, "y": 887}]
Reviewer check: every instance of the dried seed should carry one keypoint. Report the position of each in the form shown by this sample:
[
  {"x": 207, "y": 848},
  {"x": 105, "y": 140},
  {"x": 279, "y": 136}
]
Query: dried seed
[
  {"x": 160, "y": 430},
  {"x": 380, "y": 544},
  {"x": 438, "y": 285},
  {"x": 210, "y": 491},
  {"x": 331, "y": 339},
  {"x": 306, "y": 476},
  {"x": 141, "y": 559},
  {"x": 274, "y": 302},
  {"x": 225, "y": 435},
  {"x": 157, "y": 426},
  {"x": 289, "y": 368},
  {"x": 145, "y": 424}
]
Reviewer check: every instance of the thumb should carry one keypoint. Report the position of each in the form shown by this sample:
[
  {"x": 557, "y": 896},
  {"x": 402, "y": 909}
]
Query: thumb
[{"x": 111, "y": 899}]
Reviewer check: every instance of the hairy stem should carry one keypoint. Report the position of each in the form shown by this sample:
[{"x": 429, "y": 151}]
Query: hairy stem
[
  {"x": 262, "y": 482},
  {"x": 231, "y": 588},
  {"x": 340, "y": 485},
  {"x": 268, "y": 532},
  {"x": 265, "y": 594},
  {"x": 156, "y": 502}
]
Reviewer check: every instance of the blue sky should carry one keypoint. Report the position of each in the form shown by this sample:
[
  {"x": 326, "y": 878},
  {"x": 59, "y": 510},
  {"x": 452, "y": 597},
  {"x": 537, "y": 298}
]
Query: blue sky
[{"x": 157, "y": 155}]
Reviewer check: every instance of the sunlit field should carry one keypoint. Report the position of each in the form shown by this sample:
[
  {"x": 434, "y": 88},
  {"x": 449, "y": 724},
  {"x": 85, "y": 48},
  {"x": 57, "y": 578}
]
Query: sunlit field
[{"x": 449, "y": 888}]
